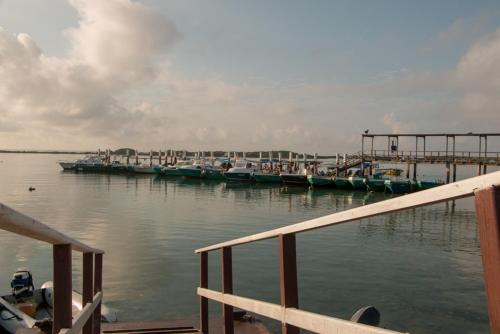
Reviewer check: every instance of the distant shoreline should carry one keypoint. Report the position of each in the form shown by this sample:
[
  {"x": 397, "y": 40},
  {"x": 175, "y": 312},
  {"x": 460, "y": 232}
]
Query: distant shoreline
[{"x": 47, "y": 152}]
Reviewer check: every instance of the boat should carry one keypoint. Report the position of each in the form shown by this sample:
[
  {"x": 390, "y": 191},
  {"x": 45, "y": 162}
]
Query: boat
[
  {"x": 342, "y": 182},
  {"x": 357, "y": 182},
  {"x": 321, "y": 181},
  {"x": 398, "y": 186},
  {"x": 194, "y": 171},
  {"x": 172, "y": 170},
  {"x": 295, "y": 179},
  {"x": 86, "y": 163},
  {"x": 143, "y": 169},
  {"x": 389, "y": 171},
  {"x": 427, "y": 184},
  {"x": 263, "y": 177},
  {"x": 242, "y": 171},
  {"x": 375, "y": 184},
  {"x": 27, "y": 307}
]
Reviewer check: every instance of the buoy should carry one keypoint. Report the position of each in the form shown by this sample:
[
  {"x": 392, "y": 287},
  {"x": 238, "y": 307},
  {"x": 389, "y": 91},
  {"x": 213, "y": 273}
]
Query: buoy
[{"x": 31, "y": 189}]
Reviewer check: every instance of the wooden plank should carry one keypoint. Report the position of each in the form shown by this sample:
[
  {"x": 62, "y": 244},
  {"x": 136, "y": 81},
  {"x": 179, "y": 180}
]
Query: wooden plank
[
  {"x": 16, "y": 222},
  {"x": 97, "y": 289},
  {"x": 289, "y": 293},
  {"x": 227, "y": 287},
  {"x": 88, "y": 288},
  {"x": 488, "y": 220},
  {"x": 443, "y": 193},
  {"x": 62, "y": 288},
  {"x": 306, "y": 320},
  {"x": 204, "y": 301}
]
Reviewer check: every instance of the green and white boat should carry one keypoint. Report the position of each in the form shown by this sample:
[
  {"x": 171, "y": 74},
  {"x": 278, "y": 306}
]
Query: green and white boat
[
  {"x": 241, "y": 172},
  {"x": 172, "y": 170},
  {"x": 398, "y": 186},
  {"x": 427, "y": 184},
  {"x": 214, "y": 174},
  {"x": 357, "y": 182},
  {"x": 342, "y": 183},
  {"x": 321, "y": 181},
  {"x": 375, "y": 184}
]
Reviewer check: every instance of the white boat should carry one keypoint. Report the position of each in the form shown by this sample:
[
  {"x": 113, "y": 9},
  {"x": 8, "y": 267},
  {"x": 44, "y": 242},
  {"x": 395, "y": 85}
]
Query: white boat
[
  {"x": 143, "y": 169},
  {"x": 27, "y": 307},
  {"x": 87, "y": 161},
  {"x": 242, "y": 171}
]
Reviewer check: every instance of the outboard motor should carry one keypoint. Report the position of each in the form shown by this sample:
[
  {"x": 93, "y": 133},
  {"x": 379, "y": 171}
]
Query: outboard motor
[{"x": 22, "y": 283}]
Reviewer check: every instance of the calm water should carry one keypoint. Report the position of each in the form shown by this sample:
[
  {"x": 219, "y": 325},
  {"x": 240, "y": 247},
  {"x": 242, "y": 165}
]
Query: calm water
[{"x": 421, "y": 268}]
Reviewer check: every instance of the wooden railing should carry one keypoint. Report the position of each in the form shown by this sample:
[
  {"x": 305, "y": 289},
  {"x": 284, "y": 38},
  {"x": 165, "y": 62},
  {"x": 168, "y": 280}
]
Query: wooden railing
[
  {"x": 88, "y": 320},
  {"x": 485, "y": 188}
]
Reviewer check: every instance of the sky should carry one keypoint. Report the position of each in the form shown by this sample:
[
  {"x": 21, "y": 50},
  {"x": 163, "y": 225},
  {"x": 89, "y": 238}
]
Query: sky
[{"x": 308, "y": 76}]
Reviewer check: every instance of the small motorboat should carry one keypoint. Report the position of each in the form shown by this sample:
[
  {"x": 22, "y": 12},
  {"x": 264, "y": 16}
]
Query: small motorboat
[
  {"x": 27, "y": 307},
  {"x": 242, "y": 171},
  {"x": 427, "y": 184}
]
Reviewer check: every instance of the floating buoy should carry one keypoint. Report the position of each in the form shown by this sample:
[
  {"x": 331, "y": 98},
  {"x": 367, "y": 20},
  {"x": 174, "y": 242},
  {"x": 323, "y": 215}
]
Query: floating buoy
[{"x": 31, "y": 189}]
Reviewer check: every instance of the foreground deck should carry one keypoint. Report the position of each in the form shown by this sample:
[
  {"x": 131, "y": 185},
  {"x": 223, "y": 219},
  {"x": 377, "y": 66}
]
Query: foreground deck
[{"x": 181, "y": 326}]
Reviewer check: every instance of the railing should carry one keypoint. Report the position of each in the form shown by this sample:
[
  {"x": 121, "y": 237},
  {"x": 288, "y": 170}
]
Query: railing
[
  {"x": 429, "y": 155},
  {"x": 486, "y": 190},
  {"x": 88, "y": 320}
]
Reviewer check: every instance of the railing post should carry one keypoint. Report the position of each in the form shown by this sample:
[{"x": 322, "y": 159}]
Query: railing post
[
  {"x": 288, "y": 278},
  {"x": 62, "y": 317},
  {"x": 488, "y": 220},
  {"x": 204, "y": 300},
  {"x": 227, "y": 287},
  {"x": 88, "y": 288},
  {"x": 97, "y": 288}
]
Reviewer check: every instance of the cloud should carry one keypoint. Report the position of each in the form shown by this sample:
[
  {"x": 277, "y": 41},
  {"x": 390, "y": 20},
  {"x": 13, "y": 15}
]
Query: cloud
[{"x": 114, "y": 48}]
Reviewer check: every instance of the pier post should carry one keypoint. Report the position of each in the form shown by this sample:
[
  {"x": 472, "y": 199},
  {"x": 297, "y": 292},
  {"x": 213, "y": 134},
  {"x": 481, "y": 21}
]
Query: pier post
[
  {"x": 415, "y": 171},
  {"x": 136, "y": 157},
  {"x": 97, "y": 288},
  {"x": 204, "y": 300},
  {"x": 447, "y": 172},
  {"x": 271, "y": 159},
  {"x": 150, "y": 157},
  {"x": 128, "y": 157},
  {"x": 408, "y": 165},
  {"x": 485, "y": 163},
  {"x": 227, "y": 287},
  {"x": 289, "y": 295},
  {"x": 479, "y": 157},
  {"x": 62, "y": 317},
  {"x": 88, "y": 288},
  {"x": 488, "y": 220},
  {"x": 159, "y": 157},
  {"x": 454, "y": 170}
]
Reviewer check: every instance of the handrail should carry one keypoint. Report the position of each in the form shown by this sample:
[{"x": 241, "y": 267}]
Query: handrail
[
  {"x": 442, "y": 193},
  {"x": 16, "y": 222},
  {"x": 88, "y": 321}
]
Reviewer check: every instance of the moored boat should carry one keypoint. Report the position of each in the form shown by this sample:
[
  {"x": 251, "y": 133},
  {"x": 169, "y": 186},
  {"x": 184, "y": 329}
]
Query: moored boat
[
  {"x": 27, "y": 307},
  {"x": 321, "y": 181},
  {"x": 398, "y": 186},
  {"x": 357, "y": 183},
  {"x": 342, "y": 182},
  {"x": 297, "y": 179},
  {"x": 375, "y": 184},
  {"x": 143, "y": 169},
  {"x": 261, "y": 177},
  {"x": 427, "y": 184},
  {"x": 241, "y": 172}
]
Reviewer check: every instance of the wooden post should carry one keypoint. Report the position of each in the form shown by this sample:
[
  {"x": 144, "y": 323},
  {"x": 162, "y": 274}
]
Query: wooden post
[
  {"x": 454, "y": 170},
  {"x": 159, "y": 157},
  {"x": 227, "y": 287},
  {"x": 415, "y": 171},
  {"x": 447, "y": 172},
  {"x": 479, "y": 157},
  {"x": 488, "y": 220},
  {"x": 363, "y": 155},
  {"x": 88, "y": 288},
  {"x": 204, "y": 300},
  {"x": 408, "y": 170},
  {"x": 97, "y": 288},
  {"x": 62, "y": 317},
  {"x": 485, "y": 164},
  {"x": 288, "y": 278}
]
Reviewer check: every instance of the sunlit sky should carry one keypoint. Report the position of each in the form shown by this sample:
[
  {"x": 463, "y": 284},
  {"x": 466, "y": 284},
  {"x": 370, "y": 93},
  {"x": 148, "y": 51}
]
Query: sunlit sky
[{"x": 244, "y": 75}]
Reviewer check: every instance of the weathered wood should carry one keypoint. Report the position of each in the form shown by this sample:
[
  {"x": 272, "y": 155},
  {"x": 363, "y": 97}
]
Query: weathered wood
[
  {"x": 488, "y": 220},
  {"x": 443, "y": 193},
  {"x": 204, "y": 300},
  {"x": 16, "y": 222},
  {"x": 88, "y": 288},
  {"x": 309, "y": 321},
  {"x": 227, "y": 287},
  {"x": 97, "y": 288},
  {"x": 62, "y": 287},
  {"x": 289, "y": 294}
]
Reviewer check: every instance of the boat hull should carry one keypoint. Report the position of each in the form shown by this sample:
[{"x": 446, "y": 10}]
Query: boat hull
[
  {"x": 357, "y": 183},
  {"x": 342, "y": 183},
  {"x": 321, "y": 181},
  {"x": 190, "y": 173},
  {"x": 375, "y": 185},
  {"x": 238, "y": 176},
  {"x": 143, "y": 170},
  {"x": 295, "y": 180},
  {"x": 213, "y": 174},
  {"x": 267, "y": 178},
  {"x": 423, "y": 185},
  {"x": 67, "y": 165},
  {"x": 398, "y": 186}
]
